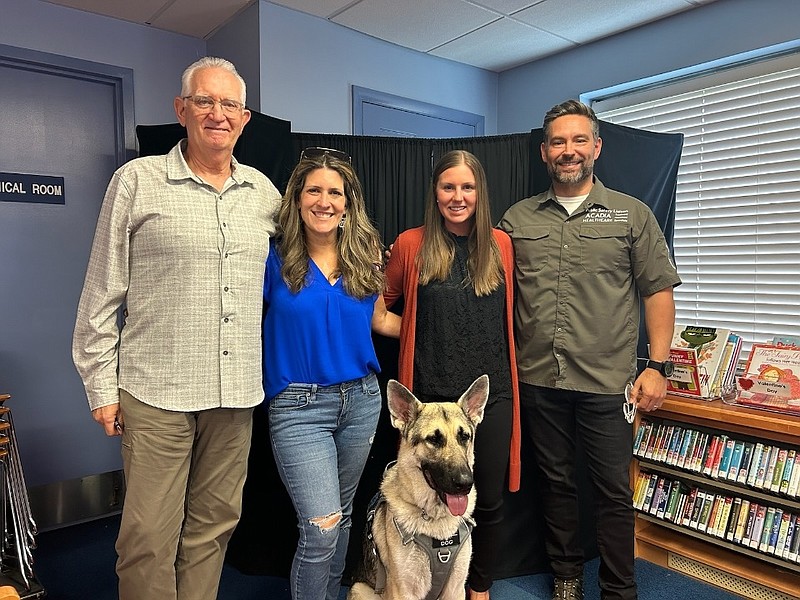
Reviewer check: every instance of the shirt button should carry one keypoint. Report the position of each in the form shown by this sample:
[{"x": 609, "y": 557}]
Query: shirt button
[
  {"x": 225, "y": 288},
  {"x": 226, "y": 319},
  {"x": 225, "y": 353},
  {"x": 566, "y": 245}
]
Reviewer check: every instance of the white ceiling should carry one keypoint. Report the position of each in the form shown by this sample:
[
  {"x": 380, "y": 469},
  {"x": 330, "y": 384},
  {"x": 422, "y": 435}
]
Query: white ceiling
[{"x": 491, "y": 34}]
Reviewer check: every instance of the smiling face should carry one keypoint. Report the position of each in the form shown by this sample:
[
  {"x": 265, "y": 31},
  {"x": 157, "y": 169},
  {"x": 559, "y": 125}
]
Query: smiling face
[
  {"x": 212, "y": 130},
  {"x": 569, "y": 153},
  {"x": 456, "y": 197},
  {"x": 322, "y": 202}
]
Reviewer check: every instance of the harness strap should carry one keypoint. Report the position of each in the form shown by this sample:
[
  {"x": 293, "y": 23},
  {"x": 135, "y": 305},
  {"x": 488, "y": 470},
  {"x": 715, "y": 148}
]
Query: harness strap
[{"x": 441, "y": 553}]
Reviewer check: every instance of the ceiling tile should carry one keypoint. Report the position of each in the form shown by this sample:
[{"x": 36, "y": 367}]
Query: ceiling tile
[
  {"x": 319, "y": 8},
  {"x": 136, "y": 12},
  {"x": 198, "y": 18},
  {"x": 607, "y": 17},
  {"x": 417, "y": 25},
  {"x": 502, "y": 45}
]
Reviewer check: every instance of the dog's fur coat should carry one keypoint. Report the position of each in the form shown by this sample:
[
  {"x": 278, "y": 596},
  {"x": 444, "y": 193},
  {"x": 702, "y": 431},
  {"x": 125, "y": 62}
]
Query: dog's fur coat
[{"x": 428, "y": 491}]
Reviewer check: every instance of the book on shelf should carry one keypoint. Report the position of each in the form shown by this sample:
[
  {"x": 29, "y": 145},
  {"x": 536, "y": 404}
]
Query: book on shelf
[
  {"x": 713, "y": 453},
  {"x": 766, "y": 532},
  {"x": 688, "y": 507},
  {"x": 724, "y": 377},
  {"x": 775, "y": 532},
  {"x": 650, "y": 492},
  {"x": 790, "y": 550},
  {"x": 758, "y": 526},
  {"x": 699, "y": 452},
  {"x": 719, "y": 455},
  {"x": 685, "y": 378},
  {"x": 713, "y": 515},
  {"x": 767, "y": 459},
  {"x": 787, "y": 544},
  {"x": 663, "y": 490},
  {"x": 723, "y": 515},
  {"x": 741, "y": 522},
  {"x": 654, "y": 440},
  {"x": 770, "y": 378},
  {"x": 774, "y": 484},
  {"x": 794, "y": 552},
  {"x": 736, "y": 461},
  {"x": 783, "y": 531},
  {"x": 705, "y": 511},
  {"x": 672, "y": 501},
  {"x": 721, "y": 471},
  {"x": 794, "y": 482},
  {"x": 709, "y": 345},
  {"x": 675, "y": 445},
  {"x": 641, "y": 436},
  {"x": 660, "y": 455},
  {"x": 733, "y": 519},
  {"x": 758, "y": 452},
  {"x": 750, "y": 524},
  {"x": 786, "y": 341},
  {"x": 642, "y": 479},
  {"x": 788, "y": 467},
  {"x": 697, "y": 509},
  {"x": 744, "y": 465},
  {"x": 686, "y": 447}
]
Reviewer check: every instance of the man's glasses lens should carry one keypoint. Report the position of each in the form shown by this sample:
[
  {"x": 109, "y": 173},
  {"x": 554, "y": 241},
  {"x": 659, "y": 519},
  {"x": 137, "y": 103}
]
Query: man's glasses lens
[
  {"x": 315, "y": 153},
  {"x": 205, "y": 103}
]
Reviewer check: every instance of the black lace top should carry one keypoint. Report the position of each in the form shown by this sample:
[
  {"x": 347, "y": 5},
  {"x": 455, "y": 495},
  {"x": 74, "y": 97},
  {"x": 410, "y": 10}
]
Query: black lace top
[{"x": 460, "y": 336}]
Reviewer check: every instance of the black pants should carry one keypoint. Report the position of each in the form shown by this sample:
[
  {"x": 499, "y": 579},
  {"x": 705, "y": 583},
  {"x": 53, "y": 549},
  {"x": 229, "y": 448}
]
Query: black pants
[
  {"x": 492, "y": 449},
  {"x": 553, "y": 420}
]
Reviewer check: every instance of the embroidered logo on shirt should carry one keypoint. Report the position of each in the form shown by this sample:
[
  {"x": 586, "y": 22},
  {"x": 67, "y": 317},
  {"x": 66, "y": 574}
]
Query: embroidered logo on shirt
[{"x": 606, "y": 215}]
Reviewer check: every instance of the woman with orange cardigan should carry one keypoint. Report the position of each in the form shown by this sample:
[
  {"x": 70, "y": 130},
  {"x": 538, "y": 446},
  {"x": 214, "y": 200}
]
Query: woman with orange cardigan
[{"x": 456, "y": 277}]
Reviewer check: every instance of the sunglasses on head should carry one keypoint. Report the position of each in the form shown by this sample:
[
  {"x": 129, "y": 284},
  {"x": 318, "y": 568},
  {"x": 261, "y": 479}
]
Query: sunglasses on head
[{"x": 316, "y": 153}]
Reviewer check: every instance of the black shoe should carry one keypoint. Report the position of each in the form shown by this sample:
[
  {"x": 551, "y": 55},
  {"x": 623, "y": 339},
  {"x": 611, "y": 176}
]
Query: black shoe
[{"x": 568, "y": 589}]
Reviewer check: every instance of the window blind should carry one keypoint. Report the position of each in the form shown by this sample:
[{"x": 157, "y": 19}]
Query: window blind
[{"x": 737, "y": 221}]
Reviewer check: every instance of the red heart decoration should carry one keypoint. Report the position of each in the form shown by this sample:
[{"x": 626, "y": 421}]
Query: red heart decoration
[{"x": 745, "y": 383}]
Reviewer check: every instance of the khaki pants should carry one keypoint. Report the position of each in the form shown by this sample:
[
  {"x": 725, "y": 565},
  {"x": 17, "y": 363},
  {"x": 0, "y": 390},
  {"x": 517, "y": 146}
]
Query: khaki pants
[{"x": 184, "y": 476}]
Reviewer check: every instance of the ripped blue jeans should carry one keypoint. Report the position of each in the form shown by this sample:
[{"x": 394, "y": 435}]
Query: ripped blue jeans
[{"x": 321, "y": 437}]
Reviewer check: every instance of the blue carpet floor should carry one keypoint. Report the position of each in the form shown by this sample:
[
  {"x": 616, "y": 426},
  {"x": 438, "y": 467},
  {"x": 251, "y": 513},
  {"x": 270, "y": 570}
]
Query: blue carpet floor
[{"x": 77, "y": 563}]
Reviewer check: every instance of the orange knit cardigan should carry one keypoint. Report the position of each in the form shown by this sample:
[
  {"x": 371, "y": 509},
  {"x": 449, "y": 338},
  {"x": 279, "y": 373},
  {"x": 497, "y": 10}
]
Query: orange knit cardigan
[{"x": 402, "y": 277}]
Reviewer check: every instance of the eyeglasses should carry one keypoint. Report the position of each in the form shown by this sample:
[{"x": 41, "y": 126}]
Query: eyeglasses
[
  {"x": 316, "y": 153},
  {"x": 204, "y": 103}
]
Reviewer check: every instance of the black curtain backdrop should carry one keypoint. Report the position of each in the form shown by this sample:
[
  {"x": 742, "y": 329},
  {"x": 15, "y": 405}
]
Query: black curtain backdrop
[{"x": 395, "y": 174}]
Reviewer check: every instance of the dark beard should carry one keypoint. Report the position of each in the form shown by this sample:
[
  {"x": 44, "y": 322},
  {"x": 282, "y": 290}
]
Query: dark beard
[{"x": 577, "y": 177}]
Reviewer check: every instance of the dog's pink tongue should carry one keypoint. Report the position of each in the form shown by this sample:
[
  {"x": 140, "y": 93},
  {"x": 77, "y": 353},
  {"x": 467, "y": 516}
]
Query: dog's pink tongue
[{"x": 456, "y": 504}]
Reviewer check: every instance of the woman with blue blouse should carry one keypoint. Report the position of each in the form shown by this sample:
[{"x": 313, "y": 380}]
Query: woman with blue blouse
[{"x": 323, "y": 297}]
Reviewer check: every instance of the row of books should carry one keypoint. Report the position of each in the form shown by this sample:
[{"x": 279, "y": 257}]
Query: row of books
[
  {"x": 706, "y": 359},
  {"x": 760, "y": 465},
  {"x": 768, "y": 529}
]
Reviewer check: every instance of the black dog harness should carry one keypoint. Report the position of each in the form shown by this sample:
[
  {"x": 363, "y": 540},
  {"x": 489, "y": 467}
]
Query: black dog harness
[{"x": 441, "y": 553}]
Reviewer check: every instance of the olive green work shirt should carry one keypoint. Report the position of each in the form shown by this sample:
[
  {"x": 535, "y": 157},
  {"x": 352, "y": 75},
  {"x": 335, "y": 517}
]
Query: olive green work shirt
[{"x": 579, "y": 279}]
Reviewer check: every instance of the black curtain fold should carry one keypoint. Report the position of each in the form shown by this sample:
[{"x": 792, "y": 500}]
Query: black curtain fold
[{"x": 395, "y": 173}]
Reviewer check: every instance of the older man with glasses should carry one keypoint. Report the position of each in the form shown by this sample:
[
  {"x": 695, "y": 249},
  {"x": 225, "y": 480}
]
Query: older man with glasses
[{"x": 180, "y": 243}]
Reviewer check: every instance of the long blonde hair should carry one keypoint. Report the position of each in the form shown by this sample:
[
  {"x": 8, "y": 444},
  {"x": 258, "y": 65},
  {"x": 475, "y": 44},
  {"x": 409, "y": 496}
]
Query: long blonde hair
[
  {"x": 436, "y": 255},
  {"x": 358, "y": 244}
]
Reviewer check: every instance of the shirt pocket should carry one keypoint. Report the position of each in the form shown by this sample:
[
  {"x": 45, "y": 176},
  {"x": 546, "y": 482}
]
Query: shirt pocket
[
  {"x": 604, "y": 248},
  {"x": 533, "y": 246}
]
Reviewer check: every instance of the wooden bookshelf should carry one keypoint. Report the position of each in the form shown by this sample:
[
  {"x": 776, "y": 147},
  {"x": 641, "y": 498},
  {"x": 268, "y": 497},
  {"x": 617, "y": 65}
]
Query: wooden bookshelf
[{"x": 656, "y": 539}]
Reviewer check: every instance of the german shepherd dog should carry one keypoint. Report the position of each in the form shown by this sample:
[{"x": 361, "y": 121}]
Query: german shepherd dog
[{"x": 417, "y": 541}]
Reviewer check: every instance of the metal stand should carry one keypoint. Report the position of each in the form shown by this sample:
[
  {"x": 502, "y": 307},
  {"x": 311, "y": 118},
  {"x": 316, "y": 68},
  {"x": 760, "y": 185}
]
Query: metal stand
[{"x": 17, "y": 527}]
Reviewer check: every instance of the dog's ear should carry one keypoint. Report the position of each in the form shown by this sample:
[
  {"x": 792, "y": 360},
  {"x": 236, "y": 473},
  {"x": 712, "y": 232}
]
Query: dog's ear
[
  {"x": 403, "y": 406},
  {"x": 473, "y": 401}
]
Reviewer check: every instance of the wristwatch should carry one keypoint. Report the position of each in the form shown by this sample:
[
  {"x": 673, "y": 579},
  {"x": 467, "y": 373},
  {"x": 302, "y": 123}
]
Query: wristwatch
[{"x": 665, "y": 368}]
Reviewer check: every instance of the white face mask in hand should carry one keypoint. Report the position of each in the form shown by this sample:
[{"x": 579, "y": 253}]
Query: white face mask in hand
[{"x": 629, "y": 406}]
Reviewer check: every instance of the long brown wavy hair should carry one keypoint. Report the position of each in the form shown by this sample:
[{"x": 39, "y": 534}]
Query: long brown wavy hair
[
  {"x": 436, "y": 255},
  {"x": 358, "y": 244}
]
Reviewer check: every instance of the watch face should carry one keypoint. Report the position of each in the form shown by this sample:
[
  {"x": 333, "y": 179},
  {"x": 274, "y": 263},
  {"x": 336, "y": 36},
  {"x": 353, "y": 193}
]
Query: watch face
[{"x": 667, "y": 367}]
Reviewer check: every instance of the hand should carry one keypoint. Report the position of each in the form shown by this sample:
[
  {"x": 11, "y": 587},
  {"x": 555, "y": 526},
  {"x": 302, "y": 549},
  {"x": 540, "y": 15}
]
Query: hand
[
  {"x": 649, "y": 390},
  {"x": 110, "y": 417},
  {"x": 388, "y": 252}
]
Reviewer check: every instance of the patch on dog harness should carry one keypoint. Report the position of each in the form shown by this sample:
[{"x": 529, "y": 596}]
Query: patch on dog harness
[{"x": 441, "y": 553}]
